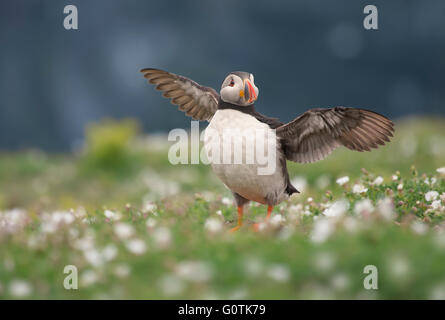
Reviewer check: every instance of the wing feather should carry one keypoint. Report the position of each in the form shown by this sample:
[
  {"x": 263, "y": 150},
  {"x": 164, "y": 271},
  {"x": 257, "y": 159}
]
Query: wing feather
[
  {"x": 196, "y": 101},
  {"x": 316, "y": 133}
]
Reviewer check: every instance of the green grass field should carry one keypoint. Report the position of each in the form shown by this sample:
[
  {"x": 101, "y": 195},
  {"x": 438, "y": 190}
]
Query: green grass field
[{"x": 136, "y": 226}]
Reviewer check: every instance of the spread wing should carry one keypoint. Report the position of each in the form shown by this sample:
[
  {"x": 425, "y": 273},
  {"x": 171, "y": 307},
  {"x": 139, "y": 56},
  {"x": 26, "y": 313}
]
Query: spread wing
[
  {"x": 196, "y": 101},
  {"x": 317, "y": 132}
]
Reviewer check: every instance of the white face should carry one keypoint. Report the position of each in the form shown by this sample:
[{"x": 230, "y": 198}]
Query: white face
[{"x": 238, "y": 91}]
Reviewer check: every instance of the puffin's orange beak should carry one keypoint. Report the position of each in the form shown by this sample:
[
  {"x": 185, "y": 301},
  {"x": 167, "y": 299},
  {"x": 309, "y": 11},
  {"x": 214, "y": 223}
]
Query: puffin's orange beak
[{"x": 249, "y": 91}]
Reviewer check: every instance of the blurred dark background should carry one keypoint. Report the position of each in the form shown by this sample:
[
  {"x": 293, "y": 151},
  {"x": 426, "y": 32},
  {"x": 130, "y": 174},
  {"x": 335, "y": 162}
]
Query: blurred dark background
[{"x": 303, "y": 54}]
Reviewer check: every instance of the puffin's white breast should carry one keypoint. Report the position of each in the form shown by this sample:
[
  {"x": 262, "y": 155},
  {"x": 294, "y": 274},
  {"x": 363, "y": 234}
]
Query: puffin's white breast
[{"x": 244, "y": 172}]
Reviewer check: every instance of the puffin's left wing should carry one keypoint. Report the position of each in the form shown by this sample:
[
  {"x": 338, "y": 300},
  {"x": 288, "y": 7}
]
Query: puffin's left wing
[
  {"x": 196, "y": 101},
  {"x": 317, "y": 132}
]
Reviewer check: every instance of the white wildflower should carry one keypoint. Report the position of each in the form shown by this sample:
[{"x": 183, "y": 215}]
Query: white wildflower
[
  {"x": 431, "y": 195},
  {"x": 123, "y": 230},
  {"x": 278, "y": 272},
  {"x": 378, "y": 181},
  {"x": 363, "y": 207},
  {"x": 122, "y": 270},
  {"x": 395, "y": 177},
  {"x": 19, "y": 288},
  {"x": 93, "y": 257},
  {"x": 136, "y": 246},
  {"x": 253, "y": 267},
  {"x": 149, "y": 206},
  {"x": 323, "y": 228},
  {"x": 436, "y": 204},
  {"x": 195, "y": 271},
  {"x": 441, "y": 170},
  {"x": 400, "y": 186},
  {"x": 171, "y": 285},
  {"x": 337, "y": 209},
  {"x": 419, "y": 227},
  {"x": 340, "y": 281},
  {"x": 341, "y": 181},
  {"x": 162, "y": 237},
  {"x": 112, "y": 215},
  {"x": 226, "y": 201},
  {"x": 359, "y": 188},
  {"x": 276, "y": 219},
  {"x": 88, "y": 278},
  {"x": 219, "y": 212},
  {"x": 442, "y": 196},
  {"x": 213, "y": 225},
  {"x": 151, "y": 222},
  {"x": 386, "y": 208},
  {"x": 109, "y": 252}
]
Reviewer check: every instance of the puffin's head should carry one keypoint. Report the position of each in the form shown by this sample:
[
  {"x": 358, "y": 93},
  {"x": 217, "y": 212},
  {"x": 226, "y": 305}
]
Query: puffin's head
[{"x": 239, "y": 88}]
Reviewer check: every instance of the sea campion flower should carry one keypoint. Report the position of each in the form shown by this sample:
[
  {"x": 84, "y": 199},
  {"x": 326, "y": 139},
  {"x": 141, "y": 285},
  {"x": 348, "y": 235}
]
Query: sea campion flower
[
  {"x": 337, "y": 209},
  {"x": 194, "y": 271},
  {"x": 359, "y": 188},
  {"x": 378, "y": 181},
  {"x": 136, "y": 246},
  {"x": 363, "y": 207},
  {"x": 20, "y": 288},
  {"x": 341, "y": 181},
  {"x": 431, "y": 195},
  {"x": 123, "y": 230},
  {"x": 213, "y": 225}
]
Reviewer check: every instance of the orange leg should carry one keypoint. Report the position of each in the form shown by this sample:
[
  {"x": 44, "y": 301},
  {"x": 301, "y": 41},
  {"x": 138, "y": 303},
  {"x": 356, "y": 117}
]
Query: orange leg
[
  {"x": 240, "y": 220},
  {"x": 269, "y": 211},
  {"x": 256, "y": 226}
]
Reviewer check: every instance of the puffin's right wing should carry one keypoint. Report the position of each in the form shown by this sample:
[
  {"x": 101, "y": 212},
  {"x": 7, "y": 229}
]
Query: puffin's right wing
[
  {"x": 196, "y": 101},
  {"x": 317, "y": 132}
]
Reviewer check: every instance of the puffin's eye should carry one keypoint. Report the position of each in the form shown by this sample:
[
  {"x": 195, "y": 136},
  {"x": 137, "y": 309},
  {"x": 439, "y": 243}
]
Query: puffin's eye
[{"x": 232, "y": 83}]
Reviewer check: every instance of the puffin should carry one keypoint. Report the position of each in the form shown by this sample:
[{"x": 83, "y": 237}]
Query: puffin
[{"x": 308, "y": 138}]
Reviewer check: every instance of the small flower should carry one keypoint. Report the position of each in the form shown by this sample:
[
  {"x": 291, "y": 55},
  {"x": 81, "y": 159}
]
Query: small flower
[
  {"x": 386, "y": 208},
  {"x": 378, "y": 181},
  {"x": 195, "y": 271},
  {"x": 226, "y": 201},
  {"x": 400, "y": 186},
  {"x": 276, "y": 219},
  {"x": 441, "y": 170},
  {"x": 213, "y": 225},
  {"x": 162, "y": 237},
  {"x": 150, "y": 223},
  {"x": 123, "y": 230},
  {"x": 136, "y": 246},
  {"x": 109, "y": 252},
  {"x": 122, "y": 270},
  {"x": 363, "y": 207},
  {"x": 395, "y": 177},
  {"x": 111, "y": 215},
  {"x": 88, "y": 278},
  {"x": 278, "y": 272},
  {"x": 341, "y": 181},
  {"x": 419, "y": 227},
  {"x": 171, "y": 285},
  {"x": 337, "y": 209},
  {"x": 19, "y": 288},
  {"x": 436, "y": 204},
  {"x": 431, "y": 195},
  {"x": 323, "y": 228},
  {"x": 149, "y": 206},
  {"x": 219, "y": 212},
  {"x": 359, "y": 188}
]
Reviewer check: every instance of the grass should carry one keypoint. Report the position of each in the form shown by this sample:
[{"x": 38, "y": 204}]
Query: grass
[{"x": 136, "y": 226}]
